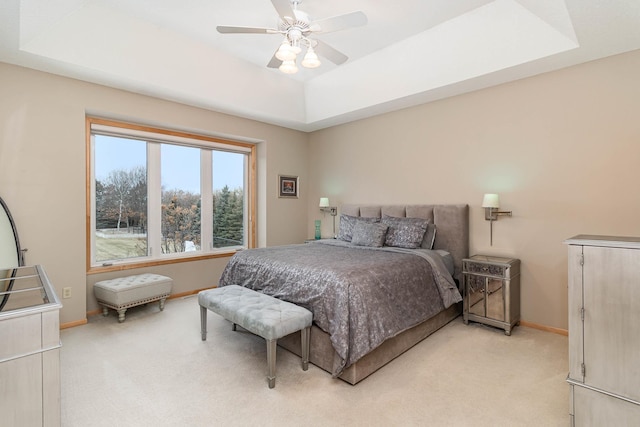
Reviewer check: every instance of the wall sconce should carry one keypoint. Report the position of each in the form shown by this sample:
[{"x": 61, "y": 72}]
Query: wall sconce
[
  {"x": 491, "y": 205},
  {"x": 333, "y": 210}
]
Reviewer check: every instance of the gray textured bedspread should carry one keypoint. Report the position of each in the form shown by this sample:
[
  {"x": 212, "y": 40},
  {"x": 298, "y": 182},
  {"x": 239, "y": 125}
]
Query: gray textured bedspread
[{"x": 361, "y": 296}]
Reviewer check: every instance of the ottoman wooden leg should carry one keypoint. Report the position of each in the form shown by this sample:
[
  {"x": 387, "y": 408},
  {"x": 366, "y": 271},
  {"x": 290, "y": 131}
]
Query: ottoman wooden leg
[
  {"x": 162, "y": 300},
  {"x": 121, "y": 314},
  {"x": 305, "y": 348},
  {"x": 271, "y": 361},
  {"x": 203, "y": 323},
  {"x": 105, "y": 310}
]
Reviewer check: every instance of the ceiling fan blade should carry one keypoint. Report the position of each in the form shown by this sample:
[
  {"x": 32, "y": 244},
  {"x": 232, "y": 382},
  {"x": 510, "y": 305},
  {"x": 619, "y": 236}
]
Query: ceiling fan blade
[
  {"x": 330, "y": 53},
  {"x": 275, "y": 62},
  {"x": 340, "y": 22},
  {"x": 245, "y": 30},
  {"x": 283, "y": 7}
]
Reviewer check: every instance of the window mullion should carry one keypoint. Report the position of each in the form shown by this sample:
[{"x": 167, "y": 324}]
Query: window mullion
[
  {"x": 206, "y": 194},
  {"x": 154, "y": 195},
  {"x": 246, "y": 206}
]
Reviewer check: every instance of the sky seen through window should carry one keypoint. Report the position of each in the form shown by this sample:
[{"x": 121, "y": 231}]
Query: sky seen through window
[{"x": 180, "y": 165}]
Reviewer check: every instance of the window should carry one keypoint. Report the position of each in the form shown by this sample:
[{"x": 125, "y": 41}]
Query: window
[{"x": 159, "y": 196}]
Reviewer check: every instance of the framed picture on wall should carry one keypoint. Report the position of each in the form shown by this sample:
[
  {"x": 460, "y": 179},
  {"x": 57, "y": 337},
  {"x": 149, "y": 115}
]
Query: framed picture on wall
[{"x": 288, "y": 186}]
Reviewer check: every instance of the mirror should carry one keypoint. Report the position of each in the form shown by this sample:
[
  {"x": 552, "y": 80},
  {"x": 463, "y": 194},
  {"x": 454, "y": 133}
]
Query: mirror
[{"x": 11, "y": 255}]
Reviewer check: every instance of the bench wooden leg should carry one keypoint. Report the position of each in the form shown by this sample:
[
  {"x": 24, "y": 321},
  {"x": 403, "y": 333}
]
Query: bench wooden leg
[
  {"x": 121, "y": 313},
  {"x": 271, "y": 361},
  {"x": 203, "y": 323},
  {"x": 306, "y": 332}
]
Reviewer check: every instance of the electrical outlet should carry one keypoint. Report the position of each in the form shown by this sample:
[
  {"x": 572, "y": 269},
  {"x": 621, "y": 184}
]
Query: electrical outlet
[{"x": 66, "y": 292}]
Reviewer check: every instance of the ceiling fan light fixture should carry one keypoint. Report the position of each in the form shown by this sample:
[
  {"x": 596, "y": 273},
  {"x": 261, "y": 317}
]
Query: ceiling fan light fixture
[
  {"x": 298, "y": 29},
  {"x": 288, "y": 67},
  {"x": 310, "y": 59}
]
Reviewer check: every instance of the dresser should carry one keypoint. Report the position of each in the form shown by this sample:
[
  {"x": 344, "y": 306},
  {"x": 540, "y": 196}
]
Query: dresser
[
  {"x": 491, "y": 288},
  {"x": 29, "y": 349},
  {"x": 604, "y": 330}
]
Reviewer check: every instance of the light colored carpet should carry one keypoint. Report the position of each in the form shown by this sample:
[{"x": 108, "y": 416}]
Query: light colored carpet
[{"x": 154, "y": 370}]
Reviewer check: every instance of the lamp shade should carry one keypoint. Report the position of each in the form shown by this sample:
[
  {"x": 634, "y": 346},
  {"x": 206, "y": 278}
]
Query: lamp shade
[
  {"x": 324, "y": 202},
  {"x": 491, "y": 201},
  {"x": 285, "y": 52},
  {"x": 288, "y": 67},
  {"x": 310, "y": 59}
]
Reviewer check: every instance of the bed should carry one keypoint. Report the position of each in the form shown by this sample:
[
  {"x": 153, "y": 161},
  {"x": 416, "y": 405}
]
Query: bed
[{"x": 388, "y": 281}]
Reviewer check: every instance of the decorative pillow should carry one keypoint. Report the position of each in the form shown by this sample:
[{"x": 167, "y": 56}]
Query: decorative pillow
[
  {"x": 369, "y": 234},
  {"x": 429, "y": 237},
  {"x": 405, "y": 232},
  {"x": 347, "y": 222}
]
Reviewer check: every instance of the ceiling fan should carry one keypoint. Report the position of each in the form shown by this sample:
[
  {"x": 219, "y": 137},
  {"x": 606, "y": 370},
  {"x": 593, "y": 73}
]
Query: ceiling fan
[{"x": 297, "y": 28}]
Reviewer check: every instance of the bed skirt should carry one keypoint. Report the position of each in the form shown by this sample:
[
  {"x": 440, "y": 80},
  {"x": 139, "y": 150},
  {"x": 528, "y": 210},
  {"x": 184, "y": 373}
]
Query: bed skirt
[{"x": 322, "y": 353}]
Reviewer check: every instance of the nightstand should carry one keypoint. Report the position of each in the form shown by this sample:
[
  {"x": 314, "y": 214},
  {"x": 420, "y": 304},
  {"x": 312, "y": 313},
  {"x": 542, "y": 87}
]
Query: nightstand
[{"x": 491, "y": 287}]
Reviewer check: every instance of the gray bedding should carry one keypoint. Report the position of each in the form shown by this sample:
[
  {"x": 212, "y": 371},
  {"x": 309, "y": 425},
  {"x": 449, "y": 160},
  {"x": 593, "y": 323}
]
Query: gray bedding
[{"x": 360, "y": 296}]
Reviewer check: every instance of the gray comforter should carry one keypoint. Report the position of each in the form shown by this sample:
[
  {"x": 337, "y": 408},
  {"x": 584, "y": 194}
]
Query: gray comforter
[{"x": 360, "y": 296}]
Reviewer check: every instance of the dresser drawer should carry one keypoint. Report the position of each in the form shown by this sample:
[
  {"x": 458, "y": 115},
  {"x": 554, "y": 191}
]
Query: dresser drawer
[{"x": 20, "y": 336}]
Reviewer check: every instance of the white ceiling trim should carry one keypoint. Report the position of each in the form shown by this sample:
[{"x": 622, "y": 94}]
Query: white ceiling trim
[{"x": 493, "y": 37}]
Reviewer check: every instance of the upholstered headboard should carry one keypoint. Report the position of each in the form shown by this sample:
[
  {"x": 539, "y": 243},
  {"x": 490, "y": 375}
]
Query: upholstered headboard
[{"x": 452, "y": 224}]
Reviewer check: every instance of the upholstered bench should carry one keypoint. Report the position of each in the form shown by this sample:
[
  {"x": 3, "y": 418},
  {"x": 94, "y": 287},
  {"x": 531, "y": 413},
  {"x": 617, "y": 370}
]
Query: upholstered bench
[
  {"x": 260, "y": 314},
  {"x": 126, "y": 292}
]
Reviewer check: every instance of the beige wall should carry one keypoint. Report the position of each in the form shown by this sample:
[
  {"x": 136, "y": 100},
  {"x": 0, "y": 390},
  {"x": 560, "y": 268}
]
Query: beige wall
[
  {"x": 42, "y": 174},
  {"x": 562, "y": 149}
]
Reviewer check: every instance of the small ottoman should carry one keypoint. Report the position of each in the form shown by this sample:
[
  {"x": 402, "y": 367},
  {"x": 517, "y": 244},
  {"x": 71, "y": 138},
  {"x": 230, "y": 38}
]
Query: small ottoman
[
  {"x": 261, "y": 314},
  {"x": 125, "y": 292}
]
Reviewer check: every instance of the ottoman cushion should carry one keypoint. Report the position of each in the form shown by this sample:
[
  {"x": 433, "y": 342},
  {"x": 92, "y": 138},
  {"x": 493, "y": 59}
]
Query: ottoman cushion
[{"x": 264, "y": 315}]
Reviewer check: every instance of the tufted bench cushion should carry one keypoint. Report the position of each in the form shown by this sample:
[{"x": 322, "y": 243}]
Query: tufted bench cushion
[
  {"x": 263, "y": 315},
  {"x": 125, "y": 292}
]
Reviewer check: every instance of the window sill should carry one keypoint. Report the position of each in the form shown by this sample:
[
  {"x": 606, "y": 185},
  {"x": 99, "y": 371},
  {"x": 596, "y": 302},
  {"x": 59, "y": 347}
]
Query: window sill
[{"x": 130, "y": 265}]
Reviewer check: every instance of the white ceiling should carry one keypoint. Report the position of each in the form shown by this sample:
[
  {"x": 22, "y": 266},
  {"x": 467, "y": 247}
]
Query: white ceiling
[{"x": 410, "y": 52}]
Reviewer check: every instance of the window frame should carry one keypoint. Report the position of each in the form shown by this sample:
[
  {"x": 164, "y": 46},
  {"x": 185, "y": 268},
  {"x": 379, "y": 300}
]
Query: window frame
[{"x": 201, "y": 139}]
